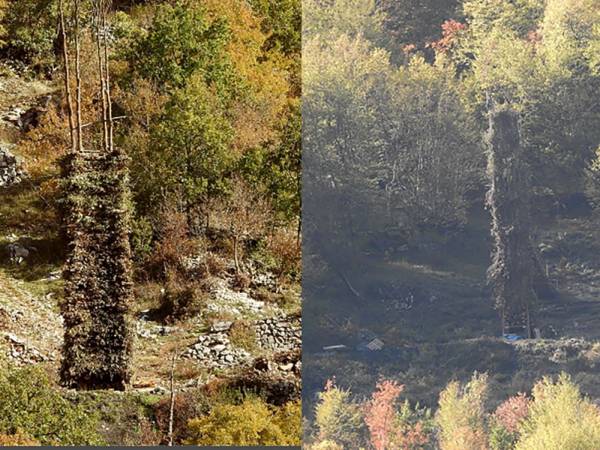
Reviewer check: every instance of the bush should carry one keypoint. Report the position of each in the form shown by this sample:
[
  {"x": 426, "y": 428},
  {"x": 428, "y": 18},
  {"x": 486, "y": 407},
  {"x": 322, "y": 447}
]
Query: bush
[
  {"x": 181, "y": 300},
  {"x": 186, "y": 407},
  {"x": 338, "y": 418},
  {"x": 17, "y": 439},
  {"x": 461, "y": 415},
  {"x": 31, "y": 403},
  {"x": 243, "y": 335},
  {"x": 253, "y": 422},
  {"x": 560, "y": 419}
]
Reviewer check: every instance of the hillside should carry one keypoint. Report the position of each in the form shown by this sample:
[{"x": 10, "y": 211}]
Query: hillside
[{"x": 211, "y": 293}]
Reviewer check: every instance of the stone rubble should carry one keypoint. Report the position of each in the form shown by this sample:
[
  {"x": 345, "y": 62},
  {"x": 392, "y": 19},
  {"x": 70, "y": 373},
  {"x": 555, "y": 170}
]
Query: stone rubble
[
  {"x": 280, "y": 333},
  {"x": 11, "y": 171},
  {"x": 21, "y": 352},
  {"x": 233, "y": 302},
  {"x": 274, "y": 334},
  {"x": 214, "y": 350}
]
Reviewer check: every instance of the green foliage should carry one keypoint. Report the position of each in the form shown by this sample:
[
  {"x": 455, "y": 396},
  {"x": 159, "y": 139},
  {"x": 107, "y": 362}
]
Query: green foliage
[
  {"x": 180, "y": 42},
  {"x": 190, "y": 152},
  {"x": 28, "y": 29},
  {"x": 32, "y": 404},
  {"x": 560, "y": 418},
  {"x": 253, "y": 422},
  {"x": 141, "y": 238},
  {"x": 329, "y": 20},
  {"x": 536, "y": 56},
  {"x": 281, "y": 19},
  {"x": 501, "y": 438},
  {"x": 277, "y": 168},
  {"x": 338, "y": 418}
]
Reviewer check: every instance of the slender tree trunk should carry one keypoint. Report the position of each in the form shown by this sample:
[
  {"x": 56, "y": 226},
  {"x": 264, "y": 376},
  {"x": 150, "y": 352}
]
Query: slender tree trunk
[
  {"x": 99, "y": 5},
  {"x": 78, "y": 76},
  {"x": 67, "y": 76},
  {"x": 172, "y": 405},
  {"x": 235, "y": 254}
]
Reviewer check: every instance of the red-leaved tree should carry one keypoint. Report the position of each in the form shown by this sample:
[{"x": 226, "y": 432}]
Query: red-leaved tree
[
  {"x": 510, "y": 413},
  {"x": 380, "y": 413},
  {"x": 450, "y": 30}
]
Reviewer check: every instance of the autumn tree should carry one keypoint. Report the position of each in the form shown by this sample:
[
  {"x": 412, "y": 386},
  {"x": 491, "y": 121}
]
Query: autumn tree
[
  {"x": 461, "y": 415},
  {"x": 380, "y": 413},
  {"x": 245, "y": 214},
  {"x": 559, "y": 417},
  {"x": 338, "y": 418}
]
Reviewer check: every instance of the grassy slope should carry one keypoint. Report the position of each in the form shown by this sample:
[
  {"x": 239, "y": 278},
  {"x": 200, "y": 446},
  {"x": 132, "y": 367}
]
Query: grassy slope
[{"x": 452, "y": 328}]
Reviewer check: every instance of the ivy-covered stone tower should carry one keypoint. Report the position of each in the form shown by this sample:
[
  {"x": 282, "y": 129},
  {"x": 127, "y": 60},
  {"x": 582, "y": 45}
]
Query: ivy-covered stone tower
[
  {"x": 96, "y": 215},
  {"x": 513, "y": 271},
  {"x": 98, "y": 285}
]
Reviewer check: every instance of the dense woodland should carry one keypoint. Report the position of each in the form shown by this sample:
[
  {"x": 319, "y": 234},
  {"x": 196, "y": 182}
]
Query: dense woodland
[
  {"x": 450, "y": 211},
  {"x": 150, "y": 222}
]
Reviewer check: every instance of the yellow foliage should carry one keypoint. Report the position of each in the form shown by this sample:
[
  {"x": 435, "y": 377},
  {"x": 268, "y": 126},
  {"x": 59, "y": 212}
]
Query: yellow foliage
[
  {"x": 252, "y": 422},
  {"x": 326, "y": 445},
  {"x": 17, "y": 439},
  {"x": 266, "y": 74},
  {"x": 560, "y": 419},
  {"x": 461, "y": 416}
]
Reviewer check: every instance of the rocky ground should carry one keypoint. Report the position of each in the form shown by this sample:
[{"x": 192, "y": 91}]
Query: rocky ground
[
  {"x": 235, "y": 332},
  {"x": 429, "y": 303}
]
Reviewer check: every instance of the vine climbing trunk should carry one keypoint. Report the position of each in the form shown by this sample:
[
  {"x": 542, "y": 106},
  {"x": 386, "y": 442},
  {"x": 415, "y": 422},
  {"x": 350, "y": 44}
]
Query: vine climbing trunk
[
  {"x": 513, "y": 270},
  {"x": 98, "y": 284}
]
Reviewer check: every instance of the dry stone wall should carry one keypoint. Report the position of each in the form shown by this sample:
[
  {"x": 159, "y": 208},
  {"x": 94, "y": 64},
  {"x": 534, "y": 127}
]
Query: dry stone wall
[{"x": 11, "y": 172}]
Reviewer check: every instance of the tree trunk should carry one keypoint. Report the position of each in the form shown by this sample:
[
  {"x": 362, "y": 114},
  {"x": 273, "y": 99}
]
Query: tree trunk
[{"x": 235, "y": 254}]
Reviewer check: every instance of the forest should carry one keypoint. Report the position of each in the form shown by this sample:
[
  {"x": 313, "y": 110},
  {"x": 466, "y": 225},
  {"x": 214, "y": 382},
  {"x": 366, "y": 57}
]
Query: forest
[
  {"x": 150, "y": 222},
  {"x": 451, "y": 282}
]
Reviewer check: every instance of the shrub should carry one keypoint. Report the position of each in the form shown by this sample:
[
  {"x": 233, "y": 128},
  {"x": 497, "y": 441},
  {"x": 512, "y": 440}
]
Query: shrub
[
  {"x": 186, "y": 407},
  {"x": 338, "y": 418},
  {"x": 461, "y": 415},
  {"x": 506, "y": 420},
  {"x": 560, "y": 418},
  {"x": 181, "y": 300},
  {"x": 286, "y": 249},
  {"x": 253, "y": 422},
  {"x": 243, "y": 335},
  {"x": 17, "y": 439},
  {"x": 173, "y": 244},
  {"x": 31, "y": 403}
]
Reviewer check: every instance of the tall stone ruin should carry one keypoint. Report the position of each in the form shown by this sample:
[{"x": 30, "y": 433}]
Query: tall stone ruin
[{"x": 513, "y": 270}]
